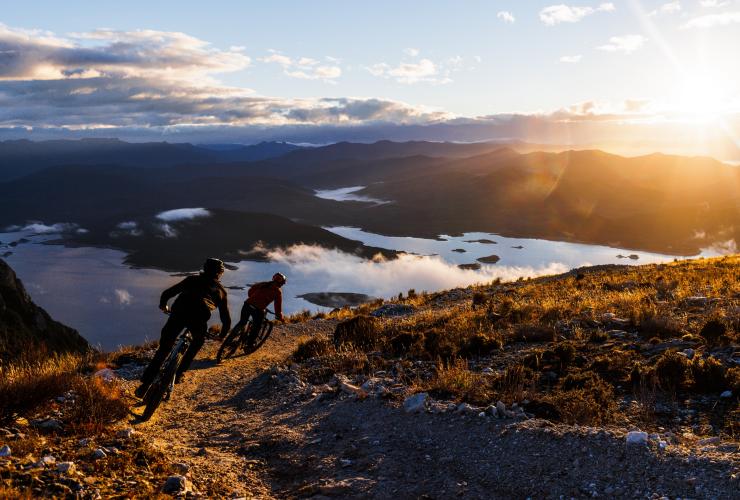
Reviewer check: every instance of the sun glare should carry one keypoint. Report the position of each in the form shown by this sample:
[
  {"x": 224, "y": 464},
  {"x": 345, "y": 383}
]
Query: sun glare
[{"x": 701, "y": 98}]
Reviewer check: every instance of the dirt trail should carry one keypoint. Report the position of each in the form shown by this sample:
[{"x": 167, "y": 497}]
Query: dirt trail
[
  {"x": 269, "y": 435},
  {"x": 201, "y": 424}
]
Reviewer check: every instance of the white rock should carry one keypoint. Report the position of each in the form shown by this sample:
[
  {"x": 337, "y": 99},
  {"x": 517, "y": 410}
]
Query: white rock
[
  {"x": 711, "y": 440},
  {"x": 465, "y": 408},
  {"x": 637, "y": 437},
  {"x": 482, "y": 414},
  {"x": 98, "y": 454},
  {"x": 48, "y": 460},
  {"x": 689, "y": 353},
  {"x": 126, "y": 433},
  {"x": 177, "y": 485},
  {"x": 5, "y": 451},
  {"x": 726, "y": 395},
  {"x": 501, "y": 408},
  {"x": 487, "y": 370},
  {"x": 106, "y": 374},
  {"x": 492, "y": 411},
  {"x": 181, "y": 467},
  {"x": 84, "y": 442},
  {"x": 415, "y": 403},
  {"x": 66, "y": 467}
]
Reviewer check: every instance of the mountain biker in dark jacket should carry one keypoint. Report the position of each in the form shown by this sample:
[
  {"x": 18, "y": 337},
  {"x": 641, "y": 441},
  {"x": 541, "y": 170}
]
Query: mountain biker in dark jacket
[
  {"x": 259, "y": 297},
  {"x": 197, "y": 296}
]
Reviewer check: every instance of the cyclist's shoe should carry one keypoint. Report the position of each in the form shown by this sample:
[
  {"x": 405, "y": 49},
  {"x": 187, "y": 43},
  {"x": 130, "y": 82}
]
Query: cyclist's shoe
[{"x": 141, "y": 391}]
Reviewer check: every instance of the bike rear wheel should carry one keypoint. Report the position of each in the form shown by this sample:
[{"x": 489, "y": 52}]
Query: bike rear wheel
[
  {"x": 161, "y": 384},
  {"x": 262, "y": 336},
  {"x": 232, "y": 342}
]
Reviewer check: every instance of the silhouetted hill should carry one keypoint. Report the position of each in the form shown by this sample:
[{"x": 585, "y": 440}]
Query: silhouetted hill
[
  {"x": 183, "y": 245},
  {"x": 26, "y": 327},
  {"x": 22, "y": 157}
]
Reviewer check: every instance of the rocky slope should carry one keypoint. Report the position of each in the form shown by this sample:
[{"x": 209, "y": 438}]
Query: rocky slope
[{"x": 24, "y": 326}]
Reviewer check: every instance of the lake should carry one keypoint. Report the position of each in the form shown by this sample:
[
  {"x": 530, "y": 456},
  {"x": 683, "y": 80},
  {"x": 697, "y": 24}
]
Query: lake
[{"x": 111, "y": 304}]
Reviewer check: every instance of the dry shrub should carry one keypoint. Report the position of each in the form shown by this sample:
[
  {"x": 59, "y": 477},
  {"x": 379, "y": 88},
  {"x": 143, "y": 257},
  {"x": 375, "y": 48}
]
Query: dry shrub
[
  {"x": 663, "y": 327},
  {"x": 511, "y": 384},
  {"x": 480, "y": 344},
  {"x": 733, "y": 379},
  {"x": 361, "y": 332},
  {"x": 404, "y": 342},
  {"x": 614, "y": 366},
  {"x": 311, "y": 347},
  {"x": 533, "y": 333},
  {"x": 708, "y": 374},
  {"x": 458, "y": 382},
  {"x": 97, "y": 404},
  {"x": 438, "y": 345},
  {"x": 584, "y": 399},
  {"x": 31, "y": 382},
  {"x": 565, "y": 352},
  {"x": 670, "y": 370},
  {"x": 299, "y": 317},
  {"x": 480, "y": 299},
  {"x": 598, "y": 337},
  {"x": 713, "y": 330},
  {"x": 140, "y": 354}
]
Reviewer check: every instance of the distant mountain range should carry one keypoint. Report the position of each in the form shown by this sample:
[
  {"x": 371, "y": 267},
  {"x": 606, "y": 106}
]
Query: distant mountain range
[{"x": 663, "y": 203}]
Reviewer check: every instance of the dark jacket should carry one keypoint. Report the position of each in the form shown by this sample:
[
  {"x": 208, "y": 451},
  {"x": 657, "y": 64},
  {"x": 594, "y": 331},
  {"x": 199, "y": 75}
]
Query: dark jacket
[{"x": 197, "y": 296}]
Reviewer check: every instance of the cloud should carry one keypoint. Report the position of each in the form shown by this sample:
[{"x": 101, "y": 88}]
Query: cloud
[
  {"x": 155, "y": 81},
  {"x": 60, "y": 227},
  {"x": 625, "y": 44},
  {"x": 713, "y": 3},
  {"x": 667, "y": 8},
  {"x": 31, "y": 54},
  {"x": 385, "y": 278},
  {"x": 166, "y": 230},
  {"x": 123, "y": 297},
  {"x": 506, "y": 16},
  {"x": 304, "y": 68},
  {"x": 712, "y": 20},
  {"x": 421, "y": 70},
  {"x": 411, "y": 52},
  {"x": 179, "y": 214},
  {"x": 556, "y": 14},
  {"x": 126, "y": 228},
  {"x": 571, "y": 59}
]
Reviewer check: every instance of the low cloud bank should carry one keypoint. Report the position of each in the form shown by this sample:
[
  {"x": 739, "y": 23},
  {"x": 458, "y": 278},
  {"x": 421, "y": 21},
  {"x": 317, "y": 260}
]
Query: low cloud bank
[
  {"x": 182, "y": 214},
  {"x": 385, "y": 278}
]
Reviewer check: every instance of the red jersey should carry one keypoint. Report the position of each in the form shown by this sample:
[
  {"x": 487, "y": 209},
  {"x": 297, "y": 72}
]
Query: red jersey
[{"x": 260, "y": 295}]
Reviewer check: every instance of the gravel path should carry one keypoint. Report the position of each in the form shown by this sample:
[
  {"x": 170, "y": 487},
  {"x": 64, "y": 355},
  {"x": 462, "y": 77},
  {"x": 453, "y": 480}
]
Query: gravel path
[{"x": 266, "y": 434}]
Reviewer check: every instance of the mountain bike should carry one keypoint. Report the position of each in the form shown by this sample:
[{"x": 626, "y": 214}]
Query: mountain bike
[
  {"x": 164, "y": 383},
  {"x": 239, "y": 338}
]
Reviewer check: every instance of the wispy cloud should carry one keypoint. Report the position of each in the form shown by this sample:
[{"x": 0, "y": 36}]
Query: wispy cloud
[
  {"x": 123, "y": 296},
  {"x": 571, "y": 59},
  {"x": 625, "y": 44},
  {"x": 561, "y": 13},
  {"x": 712, "y": 20},
  {"x": 713, "y": 3},
  {"x": 305, "y": 68},
  {"x": 411, "y": 51},
  {"x": 422, "y": 70},
  {"x": 506, "y": 16}
]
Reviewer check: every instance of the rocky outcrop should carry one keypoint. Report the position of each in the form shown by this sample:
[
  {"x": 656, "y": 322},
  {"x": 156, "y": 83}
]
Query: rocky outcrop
[{"x": 25, "y": 326}]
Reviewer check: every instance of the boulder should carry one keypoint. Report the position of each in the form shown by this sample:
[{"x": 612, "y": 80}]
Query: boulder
[
  {"x": 177, "y": 485},
  {"x": 415, "y": 403},
  {"x": 5, "y": 451},
  {"x": 638, "y": 438}
]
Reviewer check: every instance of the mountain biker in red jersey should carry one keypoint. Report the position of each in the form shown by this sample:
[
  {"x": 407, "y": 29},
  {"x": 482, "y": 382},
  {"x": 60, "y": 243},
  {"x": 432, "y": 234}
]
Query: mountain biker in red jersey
[
  {"x": 197, "y": 296},
  {"x": 259, "y": 297}
]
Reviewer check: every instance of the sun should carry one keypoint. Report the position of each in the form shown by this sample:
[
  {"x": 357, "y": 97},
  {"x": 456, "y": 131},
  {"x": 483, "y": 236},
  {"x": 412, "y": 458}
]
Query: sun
[{"x": 701, "y": 97}]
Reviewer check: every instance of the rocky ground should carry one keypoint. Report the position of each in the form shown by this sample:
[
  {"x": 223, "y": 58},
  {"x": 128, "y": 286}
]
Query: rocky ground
[
  {"x": 254, "y": 429},
  {"x": 288, "y": 422}
]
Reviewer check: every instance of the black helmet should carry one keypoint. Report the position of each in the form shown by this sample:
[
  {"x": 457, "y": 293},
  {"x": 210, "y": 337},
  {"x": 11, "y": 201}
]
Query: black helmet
[{"x": 213, "y": 266}]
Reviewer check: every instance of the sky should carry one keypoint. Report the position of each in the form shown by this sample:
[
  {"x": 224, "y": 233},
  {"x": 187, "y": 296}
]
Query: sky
[{"x": 239, "y": 71}]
